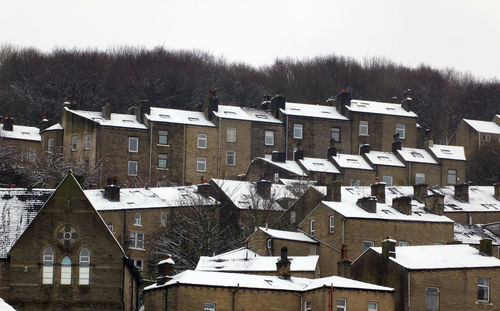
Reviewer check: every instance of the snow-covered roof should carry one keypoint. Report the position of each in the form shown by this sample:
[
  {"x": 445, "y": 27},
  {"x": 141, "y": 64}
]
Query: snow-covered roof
[
  {"x": 366, "y": 106},
  {"x": 481, "y": 199},
  {"x": 55, "y": 127},
  {"x": 351, "y": 161},
  {"x": 265, "y": 282},
  {"x": 169, "y": 115},
  {"x": 312, "y": 111},
  {"x": 319, "y": 165},
  {"x": 416, "y": 155},
  {"x": 244, "y": 195},
  {"x": 441, "y": 257},
  {"x": 288, "y": 235},
  {"x": 297, "y": 182},
  {"x": 245, "y": 260},
  {"x": 383, "y": 158},
  {"x": 288, "y": 165},
  {"x": 244, "y": 113},
  {"x": 448, "y": 152},
  {"x": 5, "y": 306},
  {"x": 21, "y": 132},
  {"x": 137, "y": 198},
  {"x": 489, "y": 127},
  {"x": 116, "y": 120},
  {"x": 472, "y": 234},
  {"x": 18, "y": 207}
]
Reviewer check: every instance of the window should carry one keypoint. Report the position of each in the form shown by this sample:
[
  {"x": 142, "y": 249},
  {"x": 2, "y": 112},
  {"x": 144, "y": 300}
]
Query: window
[
  {"x": 341, "y": 304},
  {"x": 231, "y": 158},
  {"x": 162, "y": 160},
  {"x": 201, "y": 164},
  {"x": 269, "y": 243},
  {"x": 452, "y": 177},
  {"x": 163, "y": 137},
  {"x": 485, "y": 137},
  {"x": 419, "y": 178},
  {"x": 87, "y": 142},
  {"x": 355, "y": 182},
  {"x": 363, "y": 127},
  {"x": 132, "y": 168},
  {"x": 372, "y": 306},
  {"x": 432, "y": 299},
  {"x": 50, "y": 146},
  {"x": 84, "y": 277},
  {"x": 133, "y": 144},
  {"x": 231, "y": 135},
  {"x": 276, "y": 176},
  {"x": 66, "y": 271},
  {"x": 163, "y": 219},
  {"x": 307, "y": 305},
  {"x": 136, "y": 240},
  {"x": 483, "y": 289},
  {"x": 269, "y": 138},
  {"x": 336, "y": 134},
  {"x": 209, "y": 307},
  {"x": 292, "y": 217},
  {"x": 74, "y": 141},
  {"x": 404, "y": 243},
  {"x": 110, "y": 226},
  {"x": 202, "y": 141},
  {"x": 32, "y": 155},
  {"x": 297, "y": 131},
  {"x": 400, "y": 129},
  {"x": 138, "y": 264},
  {"x": 387, "y": 180},
  {"x": 311, "y": 227},
  {"x": 24, "y": 155},
  {"x": 48, "y": 266},
  {"x": 137, "y": 220},
  {"x": 367, "y": 245},
  {"x": 332, "y": 223}
]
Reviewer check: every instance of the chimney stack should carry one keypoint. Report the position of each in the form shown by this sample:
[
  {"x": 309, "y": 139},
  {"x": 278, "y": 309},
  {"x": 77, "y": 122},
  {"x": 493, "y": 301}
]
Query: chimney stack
[
  {"x": 278, "y": 156},
  {"x": 343, "y": 99},
  {"x": 205, "y": 190},
  {"x": 277, "y": 102},
  {"x": 396, "y": 143},
  {"x": 428, "y": 142},
  {"x": 333, "y": 191},
  {"x": 143, "y": 107},
  {"x": 462, "y": 192},
  {"x": 369, "y": 204},
  {"x": 112, "y": 193},
  {"x": 299, "y": 154},
  {"x": 402, "y": 204},
  {"x": 211, "y": 105},
  {"x": 8, "y": 123},
  {"x": 332, "y": 150},
  {"x": 434, "y": 203},
  {"x": 106, "y": 111},
  {"x": 264, "y": 188},
  {"x": 378, "y": 191},
  {"x": 486, "y": 247},
  {"x": 389, "y": 248},
  {"x": 496, "y": 188},
  {"x": 44, "y": 123},
  {"x": 165, "y": 270},
  {"x": 364, "y": 149},
  {"x": 283, "y": 264},
  {"x": 420, "y": 191}
]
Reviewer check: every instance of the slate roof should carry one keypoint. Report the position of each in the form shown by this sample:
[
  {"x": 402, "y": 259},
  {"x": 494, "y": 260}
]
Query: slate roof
[
  {"x": 448, "y": 152},
  {"x": 367, "y": 106},
  {"x": 244, "y": 113},
  {"x": 383, "y": 158},
  {"x": 178, "y": 116},
  {"x": 312, "y": 111},
  {"x": 21, "y": 132},
  {"x": 116, "y": 120},
  {"x": 488, "y": 127},
  {"x": 288, "y": 165}
]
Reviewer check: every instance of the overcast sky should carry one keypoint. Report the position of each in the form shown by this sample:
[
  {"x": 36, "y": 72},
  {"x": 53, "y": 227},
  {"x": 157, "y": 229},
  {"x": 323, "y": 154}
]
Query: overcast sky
[{"x": 464, "y": 35}]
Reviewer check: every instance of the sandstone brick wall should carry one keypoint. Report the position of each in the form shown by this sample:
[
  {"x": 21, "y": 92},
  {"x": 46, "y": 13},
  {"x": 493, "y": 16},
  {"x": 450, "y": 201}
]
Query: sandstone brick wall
[
  {"x": 192, "y": 176},
  {"x": 458, "y": 166},
  {"x": 474, "y": 217},
  {"x": 431, "y": 171},
  {"x": 399, "y": 174},
  {"x": 258, "y": 243},
  {"x": 257, "y": 141},
  {"x": 366, "y": 177},
  {"x": 242, "y": 146}
]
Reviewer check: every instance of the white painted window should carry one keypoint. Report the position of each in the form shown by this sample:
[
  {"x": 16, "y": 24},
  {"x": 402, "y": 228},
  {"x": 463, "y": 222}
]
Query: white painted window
[
  {"x": 136, "y": 240},
  {"x": 432, "y": 299},
  {"x": 48, "y": 266},
  {"x": 332, "y": 223},
  {"x": 162, "y": 160},
  {"x": 32, "y": 157},
  {"x": 341, "y": 304},
  {"x": 163, "y": 137},
  {"x": 137, "y": 220},
  {"x": 132, "y": 168},
  {"x": 483, "y": 289},
  {"x": 355, "y": 182},
  {"x": 336, "y": 134},
  {"x": 307, "y": 305},
  {"x": 87, "y": 142},
  {"x": 133, "y": 144},
  {"x": 110, "y": 226},
  {"x": 209, "y": 307},
  {"x": 387, "y": 180},
  {"x": 269, "y": 243},
  {"x": 276, "y": 176},
  {"x": 163, "y": 219},
  {"x": 138, "y": 265},
  {"x": 452, "y": 177},
  {"x": 297, "y": 131},
  {"x": 363, "y": 127},
  {"x": 231, "y": 158},
  {"x": 372, "y": 306},
  {"x": 292, "y": 217},
  {"x": 400, "y": 129},
  {"x": 311, "y": 227},
  {"x": 367, "y": 245},
  {"x": 50, "y": 146},
  {"x": 485, "y": 137},
  {"x": 202, "y": 141},
  {"x": 269, "y": 138},
  {"x": 231, "y": 135},
  {"x": 404, "y": 243},
  {"x": 74, "y": 143},
  {"x": 66, "y": 271},
  {"x": 419, "y": 178},
  {"x": 84, "y": 277},
  {"x": 201, "y": 164}
]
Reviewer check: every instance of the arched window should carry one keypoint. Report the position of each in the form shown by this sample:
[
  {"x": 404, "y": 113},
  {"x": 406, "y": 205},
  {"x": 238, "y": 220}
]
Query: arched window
[
  {"x": 48, "y": 266},
  {"x": 137, "y": 220},
  {"x": 66, "y": 271},
  {"x": 84, "y": 267}
]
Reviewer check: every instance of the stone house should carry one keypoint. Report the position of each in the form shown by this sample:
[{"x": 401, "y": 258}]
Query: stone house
[
  {"x": 67, "y": 259},
  {"x": 268, "y": 242},
  {"x": 25, "y": 140},
  {"x": 274, "y": 168},
  {"x": 452, "y": 162},
  {"x": 473, "y": 234},
  {"x": 52, "y": 138},
  {"x": 388, "y": 168},
  {"x": 354, "y": 170},
  {"x": 433, "y": 277},
  {"x": 421, "y": 167},
  {"x": 473, "y": 134}
]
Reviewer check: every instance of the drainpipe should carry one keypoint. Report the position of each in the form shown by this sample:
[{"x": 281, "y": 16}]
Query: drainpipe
[
  {"x": 330, "y": 303},
  {"x": 286, "y": 143},
  {"x": 150, "y": 151},
  {"x": 466, "y": 289},
  {"x": 184, "y": 164},
  {"x": 234, "y": 294},
  {"x": 218, "y": 146},
  {"x": 301, "y": 300},
  {"x": 123, "y": 285},
  {"x": 343, "y": 226},
  {"x": 409, "y": 175},
  {"x": 409, "y": 290}
]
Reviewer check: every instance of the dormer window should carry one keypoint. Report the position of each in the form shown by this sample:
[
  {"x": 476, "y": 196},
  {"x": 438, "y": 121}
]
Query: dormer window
[
  {"x": 261, "y": 116},
  {"x": 416, "y": 154},
  {"x": 164, "y": 116},
  {"x": 446, "y": 151},
  {"x": 193, "y": 119}
]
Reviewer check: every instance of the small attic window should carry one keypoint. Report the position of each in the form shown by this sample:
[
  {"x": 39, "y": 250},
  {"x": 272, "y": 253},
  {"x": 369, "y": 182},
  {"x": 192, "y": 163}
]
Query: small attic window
[
  {"x": 318, "y": 163},
  {"x": 295, "y": 109},
  {"x": 416, "y": 154},
  {"x": 383, "y": 158},
  {"x": 127, "y": 121},
  {"x": 394, "y": 191},
  {"x": 390, "y": 108},
  {"x": 193, "y": 119},
  {"x": 261, "y": 116},
  {"x": 25, "y": 133},
  {"x": 97, "y": 118},
  {"x": 446, "y": 151},
  {"x": 326, "y": 112},
  {"x": 352, "y": 160},
  {"x": 230, "y": 112},
  {"x": 165, "y": 116},
  {"x": 387, "y": 211}
]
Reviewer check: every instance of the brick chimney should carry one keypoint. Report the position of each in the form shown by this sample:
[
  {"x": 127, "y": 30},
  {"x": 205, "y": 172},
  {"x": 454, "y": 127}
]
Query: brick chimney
[
  {"x": 205, "y": 189},
  {"x": 143, "y": 107},
  {"x": 165, "y": 270},
  {"x": 112, "y": 193},
  {"x": 402, "y": 204},
  {"x": 263, "y": 188},
  {"x": 344, "y": 264},
  {"x": 428, "y": 142},
  {"x": 420, "y": 191},
  {"x": 396, "y": 143},
  {"x": 334, "y": 191},
  {"x": 434, "y": 203},
  {"x": 8, "y": 123},
  {"x": 211, "y": 104},
  {"x": 332, "y": 150},
  {"x": 44, "y": 123},
  {"x": 106, "y": 111},
  {"x": 496, "y": 188},
  {"x": 343, "y": 99},
  {"x": 278, "y": 156},
  {"x": 364, "y": 149},
  {"x": 369, "y": 204},
  {"x": 277, "y": 102},
  {"x": 462, "y": 192},
  {"x": 299, "y": 154},
  {"x": 486, "y": 247},
  {"x": 378, "y": 191},
  {"x": 283, "y": 264},
  {"x": 389, "y": 248}
]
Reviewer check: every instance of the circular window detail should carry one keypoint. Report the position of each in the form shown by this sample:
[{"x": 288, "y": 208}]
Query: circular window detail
[{"x": 67, "y": 235}]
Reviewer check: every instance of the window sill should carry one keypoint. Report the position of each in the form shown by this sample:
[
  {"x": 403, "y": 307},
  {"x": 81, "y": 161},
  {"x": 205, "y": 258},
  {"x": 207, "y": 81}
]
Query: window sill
[
  {"x": 132, "y": 175},
  {"x": 366, "y": 135},
  {"x": 133, "y": 151},
  {"x": 268, "y": 145},
  {"x": 137, "y": 225},
  {"x": 162, "y": 145},
  {"x": 163, "y": 169},
  {"x": 484, "y": 303},
  {"x": 201, "y": 171},
  {"x": 137, "y": 248}
]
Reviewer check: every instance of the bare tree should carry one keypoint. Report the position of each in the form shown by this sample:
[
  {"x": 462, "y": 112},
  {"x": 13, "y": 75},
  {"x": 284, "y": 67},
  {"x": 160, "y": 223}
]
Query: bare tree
[{"x": 483, "y": 168}]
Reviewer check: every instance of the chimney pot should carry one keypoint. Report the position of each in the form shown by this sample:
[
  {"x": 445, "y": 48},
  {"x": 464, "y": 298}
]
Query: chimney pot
[
  {"x": 402, "y": 204},
  {"x": 334, "y": 191},
  {"x": 378, "y": 191},
  {"x": 8, "y": 123},
  {"x": 369, "y": 204},
  {"x": 264, "y": 188},
  {"x": 106, "y": 111},
  {"x": 435, "y": 203},
  {"x": 420, "y": 191},
  {"x": 364, "y": 149},
  {"x": 462, "y": 192},
  {"x": 389, "y": 248}
]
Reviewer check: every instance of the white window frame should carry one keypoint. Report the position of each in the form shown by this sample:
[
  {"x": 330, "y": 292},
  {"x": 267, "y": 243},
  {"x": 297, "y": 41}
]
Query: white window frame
[
  {"x": 293, "y": 217},
  {"x": 269, "y": 243},
  {"x": 110, "y": 226},
  {"x": 133, "y": 147},
  {"x": 367, "y": 244},
  {"x": 131, "y": 166},
  {"x": 65, "y": 271},
  {"x": 48, "y": 266},
  {"x": 139, "y": 265},
  {"x": 163, "y": 219},
  {"x": 355, "y": 182},
  {"x": 312, "y": 228},
  {"x": 485, "y": 137},
  {"x": 298, "y": 131},
  {"x": 269, "y": 138},
  {"x": 336, "y": 133},
  {"x": 202, "y": 141},
  {"x": 87, "y": 142},
  {"x": 372, "y": 306},
  {"x": 331, "y": 223},
  {"x": 162, "y": 137},
  {"x": 50, "y": 145},
  {"x": 162, "y": 160},
  {"x": 363, "y": 128},
  {"x": 453, "y": 181},
  {"x": 84, "y": 269},
  {"x": 341, "y": 304},
  {"x": 136, "y": 240},
  {"x": 400, "y": 129},
  {"x": 230, "y": 154},
  {"x": 419, "y": 176},
  {"x": 138, "y": 220},
  {"x": 209, "y": 306},
  {"x": 387, "y": 180},
  {"x": 308, "y": 305},
  {"x": 403, "y": 243},
  {"x": 432, "y": 292},
  {"x": 483, "y": 284},
  {"x": 201, "y": 165},
  {"x": 74, "y": 143},
  {"x": 231, "y": 135}
]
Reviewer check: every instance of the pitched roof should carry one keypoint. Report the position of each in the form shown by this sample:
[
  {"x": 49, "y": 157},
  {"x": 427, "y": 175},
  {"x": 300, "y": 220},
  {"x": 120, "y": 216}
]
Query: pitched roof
[
  {"x": 448, "y": 152},
  {"x": 481, "y": 199},
  {"x": 416, "y": 155},
  {"x": 488, "y": 127},
  {"x": 55, "y": 127},
  {"x": 21, "y": 132},
  {"x": 312, "y": 111},
  {"x": 178, "y": 116},
  {"x": 367, "y": 106},
  {"x": 116, "y": 120},
  {"x": 245, "y": 113},
  {"x": 288, "y": 235},
  {"x": 351, "y": 161},
  {"x": 288, "y": 165},
  {"x": 472, "y": 234},
  {"x": 383, "y": 158},
  {"x": 319, "y": 165}
]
